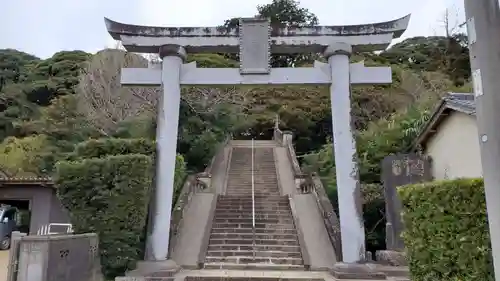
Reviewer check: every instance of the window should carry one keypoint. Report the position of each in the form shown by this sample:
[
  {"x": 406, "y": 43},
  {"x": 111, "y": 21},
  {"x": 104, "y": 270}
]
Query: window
[{"x": 9, "y": 214}]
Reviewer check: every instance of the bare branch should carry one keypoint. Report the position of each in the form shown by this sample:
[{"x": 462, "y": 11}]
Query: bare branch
[{"x": 102, "y": 98}]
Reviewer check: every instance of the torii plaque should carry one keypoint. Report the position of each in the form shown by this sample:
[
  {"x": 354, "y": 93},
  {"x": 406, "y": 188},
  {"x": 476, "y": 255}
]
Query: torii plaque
[{"x": 255, "y": 40}]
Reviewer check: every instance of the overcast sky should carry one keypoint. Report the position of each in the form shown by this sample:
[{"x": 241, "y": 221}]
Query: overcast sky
[{"x": 43, "y": 27}]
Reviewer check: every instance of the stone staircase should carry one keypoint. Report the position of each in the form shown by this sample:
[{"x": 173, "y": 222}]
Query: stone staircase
[{"x": 234, "y": 244}]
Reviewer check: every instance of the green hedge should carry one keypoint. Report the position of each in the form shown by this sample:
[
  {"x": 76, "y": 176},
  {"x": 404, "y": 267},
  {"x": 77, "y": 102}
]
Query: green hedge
[
  {"x": 108, "y": 196},
  {"x": 91, "y": 173},
  {"x": 112, "y": 146},
  {"x": 447, "y": 235}
]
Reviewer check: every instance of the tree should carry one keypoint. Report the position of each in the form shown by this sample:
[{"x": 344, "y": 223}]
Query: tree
[
  {"x": 28, "y": 156},
  {"x": 102, "y": 98},
  {"x": 62, "y": 123},
  {"x": 283, "y": 13},
  {"x": 15, "y": 65},
  {"x": 53, "y": 77}
]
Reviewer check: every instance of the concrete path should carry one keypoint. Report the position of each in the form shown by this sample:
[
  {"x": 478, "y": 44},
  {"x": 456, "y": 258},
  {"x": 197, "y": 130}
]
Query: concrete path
[
  {"x": 255, "y": 273},
  {"x": 292, "y": 274}
]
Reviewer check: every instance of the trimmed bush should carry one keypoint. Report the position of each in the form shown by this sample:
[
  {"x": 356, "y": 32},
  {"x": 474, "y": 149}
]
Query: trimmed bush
[
  {"x": 92, "y": 163},
  {"x": 108, "y": 196},
  {"x": 112, "y": 146},
  {"x": 447, "y": 235}
]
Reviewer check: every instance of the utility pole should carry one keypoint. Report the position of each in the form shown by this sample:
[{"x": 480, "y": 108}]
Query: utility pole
[{"x": 483, "y": 28}]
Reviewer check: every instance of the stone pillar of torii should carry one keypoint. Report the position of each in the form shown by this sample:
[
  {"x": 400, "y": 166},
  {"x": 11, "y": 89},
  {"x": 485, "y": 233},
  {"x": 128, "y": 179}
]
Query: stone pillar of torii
[{"x": 255, "y": 40}]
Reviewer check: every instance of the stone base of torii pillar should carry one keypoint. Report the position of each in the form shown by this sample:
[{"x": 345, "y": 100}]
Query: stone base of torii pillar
[{"x": 158, "y": 269}]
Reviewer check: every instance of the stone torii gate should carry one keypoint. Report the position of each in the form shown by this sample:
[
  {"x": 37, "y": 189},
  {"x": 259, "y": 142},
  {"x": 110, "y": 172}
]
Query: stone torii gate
[{"x": 255, "y": 40}]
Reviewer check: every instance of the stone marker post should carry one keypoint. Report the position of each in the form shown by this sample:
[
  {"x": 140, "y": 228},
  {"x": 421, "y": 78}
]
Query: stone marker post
[{"x": 399, "y": 170}]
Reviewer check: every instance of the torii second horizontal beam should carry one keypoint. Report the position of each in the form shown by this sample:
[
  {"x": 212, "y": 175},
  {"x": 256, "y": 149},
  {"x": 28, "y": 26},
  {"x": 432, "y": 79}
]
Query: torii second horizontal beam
[{"x": 317, "y": 75}]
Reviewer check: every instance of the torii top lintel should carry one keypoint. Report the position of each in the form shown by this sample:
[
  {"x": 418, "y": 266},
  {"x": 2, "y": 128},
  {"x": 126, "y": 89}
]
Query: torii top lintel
[{"x": 364, "y": 37}]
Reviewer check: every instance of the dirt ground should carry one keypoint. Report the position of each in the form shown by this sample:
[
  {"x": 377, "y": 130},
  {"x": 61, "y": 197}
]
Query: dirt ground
[{"x": 4, "y": 262}]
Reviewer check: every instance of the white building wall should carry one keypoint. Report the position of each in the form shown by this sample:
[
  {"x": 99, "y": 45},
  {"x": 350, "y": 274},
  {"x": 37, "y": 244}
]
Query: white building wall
[{"x": 454, "y": 148}]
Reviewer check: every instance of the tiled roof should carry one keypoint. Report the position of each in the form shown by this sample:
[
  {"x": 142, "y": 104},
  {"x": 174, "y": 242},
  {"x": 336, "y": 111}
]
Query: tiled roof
[
  {"x": 461, "y": 102},
  {"x": 5, "y": 178},
  {"x": 34, "y": 180}
]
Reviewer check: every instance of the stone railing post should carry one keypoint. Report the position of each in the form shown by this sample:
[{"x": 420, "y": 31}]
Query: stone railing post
[
  {"x": 15, "y": 242},
  {"x": 203, "y": 183},
  {"x": 287, "y": 138}
]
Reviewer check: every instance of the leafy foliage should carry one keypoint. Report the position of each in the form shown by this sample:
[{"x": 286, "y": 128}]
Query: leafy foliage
[
  {"x": 112, "y": 146},
  {"x": 100, "y": 159},
  {"x": 283, "y": 13},
  {"x": 447, "y": 235},
  {"x": 387, "y": 136},
  {"x": 109, "y": 196},
  {"x": 54, "y": 77},
  {"x": 25, "y": 157},
  {"x": 15, "y": 65},
  {"x": 447, "y": 54}
]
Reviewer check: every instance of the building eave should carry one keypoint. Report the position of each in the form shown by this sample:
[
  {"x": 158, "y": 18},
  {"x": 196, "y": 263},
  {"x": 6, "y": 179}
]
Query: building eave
[
  {"x": 442, "y": 111},
  {"x": 10, "y": 180}
]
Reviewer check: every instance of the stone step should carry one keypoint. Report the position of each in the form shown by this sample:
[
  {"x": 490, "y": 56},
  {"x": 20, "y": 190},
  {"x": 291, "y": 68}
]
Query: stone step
[
  {"x": 261, "y": 248},
  {"x": 220, "y": 213},
  {"x": 249, "y": 220},
  {"x": 248, "y": 179},
  {"x": 257, "y": 199},
  {"x": 251, "y": 253},
  {"x": 264, "y": 168},
  {"x": 241, "y": 215},
  {"x": 260, "y": 169},
  {"x": 257, "y": 196},
  {"x": 259, "y": 160},
  {"x": 249, "y": 203},
  {"x": 251, "y": 266},
  {"x": 247, "y": 157},
  {"x": 290, "y": 242},
  {"x": 249, "y": 209},
  {"x": 258, "y": 192},
  {"x": 257, "y": 277},
  {"x": 257, "y": 225},
  {"x": 267, "y": 210},
  {"x": 258, "y": 163},
  {"x": 269, "y": 167},
  {"x": 268, "y": 182},
  {"x": 265, "y": 236},
  {"x": 262, "y": 189},
  {"x": 246, "y": 170},
  {"x": 257, "y": 230},
  {"x": 257, "y": 187},
  {"x": 257, "y": 202},
  {"x": 254, "y": 260}
]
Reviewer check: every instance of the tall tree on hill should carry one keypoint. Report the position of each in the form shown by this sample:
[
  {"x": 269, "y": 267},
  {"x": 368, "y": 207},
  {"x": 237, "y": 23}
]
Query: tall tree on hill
[{"x": 283, "y": 13}]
